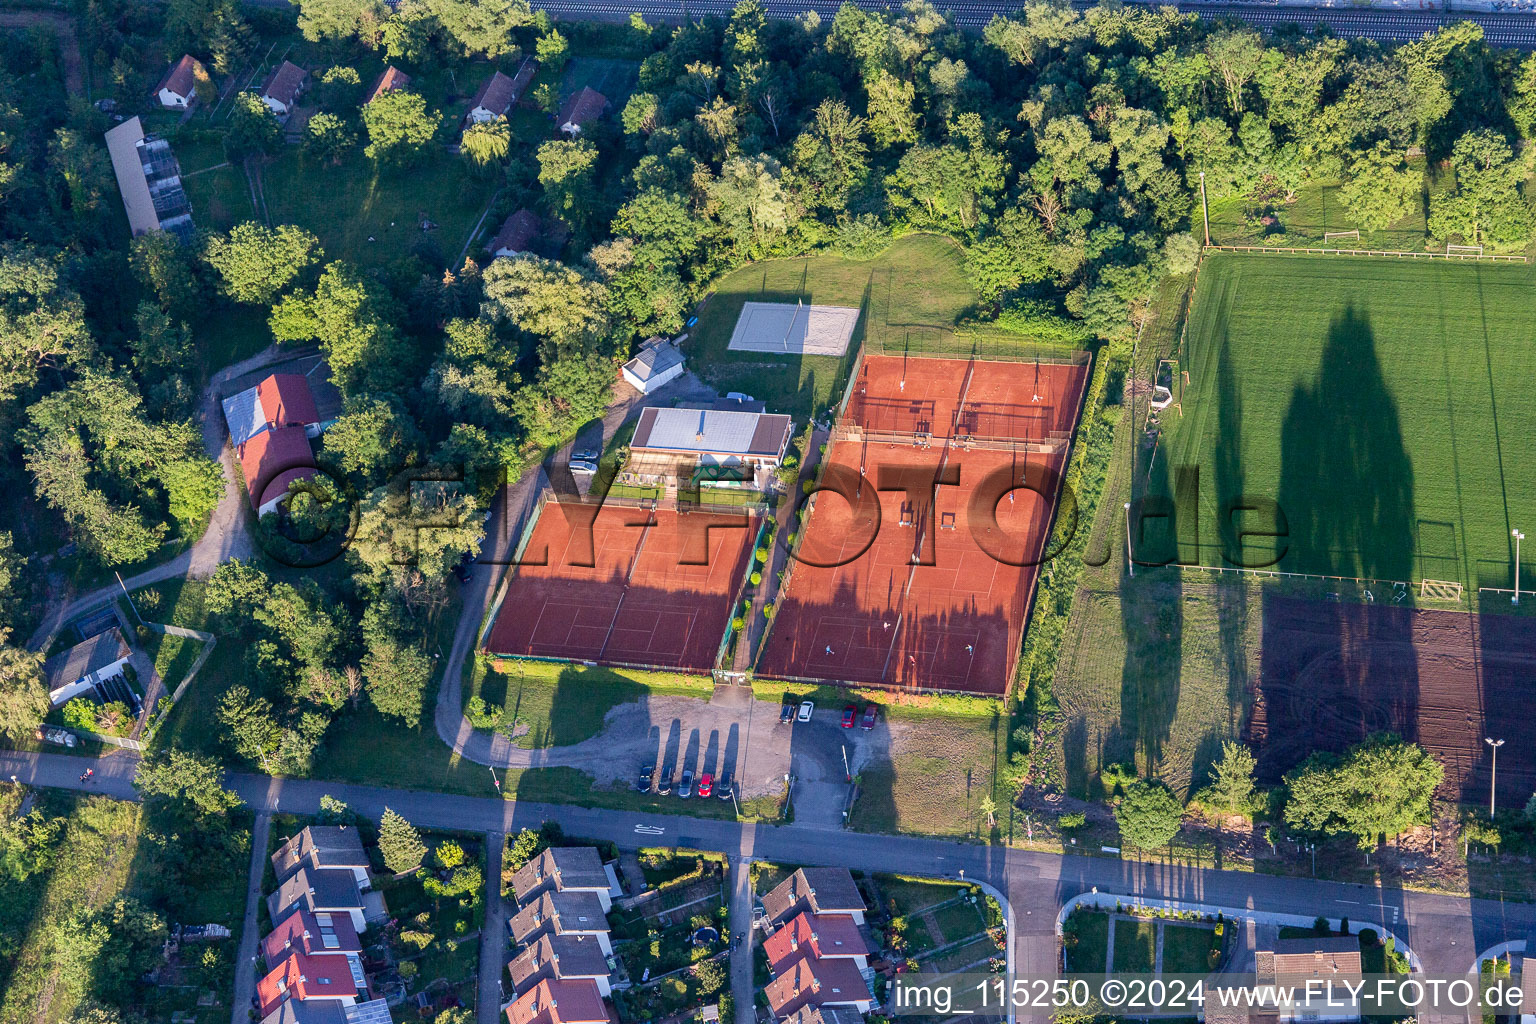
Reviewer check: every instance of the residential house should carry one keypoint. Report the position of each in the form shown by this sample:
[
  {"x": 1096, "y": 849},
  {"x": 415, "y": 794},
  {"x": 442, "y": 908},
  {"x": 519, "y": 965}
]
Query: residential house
[
  {"x": 816, "y": 936},
  {"x": 560, "y": 958},
  {"x": 329, "y": 1011},
  {"x": 749, "y": 444},
  {"x": 1295, "y": 961},
  {"x": 149, "y": 180},
  {"x": 562, "y": 913},
  {"x": 392, "y": 80},
  {"x": 566, "y": 869},
  {"x": 304, "y": 931},
  {"x": 580, "y": 109},
  {"x": 282, "y": 400},
  {"x": 559, "y": 1002},
  {"x": 516, "y": 236},
  {"x": 272, "y": 460},
  {"x": 283, "y": 87},
  {"x": 329, "y": 977},
  {"x": 497, "y": 94},
  {"x": 323, "y": 846},
  {"x": 320, "y": 891},
  {"x": 178, "y": 89},
  {"x": 812, "y": 982},
  {"x": 819, "y": 890},
  {"x": 657, "y": 363},
  {"x": 84, "y": 666},
  {"x": 827, "y": 1014}
]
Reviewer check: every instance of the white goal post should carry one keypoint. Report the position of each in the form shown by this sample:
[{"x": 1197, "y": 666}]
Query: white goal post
[
  {"x": 1329, "y": 236},
  {"x": 1463, "y": 250}
]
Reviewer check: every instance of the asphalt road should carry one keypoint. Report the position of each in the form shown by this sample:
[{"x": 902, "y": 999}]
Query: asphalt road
[
  {"x": 1501, "y": 29},
  {"x": 1445, "y": 931}
]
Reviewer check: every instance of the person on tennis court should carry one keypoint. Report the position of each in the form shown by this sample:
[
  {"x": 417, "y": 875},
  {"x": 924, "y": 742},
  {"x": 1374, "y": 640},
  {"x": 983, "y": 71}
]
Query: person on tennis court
[
  {"x": 969, "y": 649},
  {"x": 829, "y": 648}
]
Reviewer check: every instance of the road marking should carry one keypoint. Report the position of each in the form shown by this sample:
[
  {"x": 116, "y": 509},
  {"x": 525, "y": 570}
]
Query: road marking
[{"x": 649, "y": 830}]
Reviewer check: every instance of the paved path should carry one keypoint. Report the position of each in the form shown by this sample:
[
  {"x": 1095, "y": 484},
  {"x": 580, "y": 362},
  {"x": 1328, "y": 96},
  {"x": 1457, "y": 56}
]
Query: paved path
[
  {"x": 493, "y": 934},
  {"x": 1445, "y": 931},
  {"x": 245, "y": 962},
  {"x": 740, "y": 960},
  {"x": 226, "y": 536}
]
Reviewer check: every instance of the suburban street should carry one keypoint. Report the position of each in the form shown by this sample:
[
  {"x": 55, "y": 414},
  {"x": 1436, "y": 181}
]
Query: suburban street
[{"x": 1445, "y": 931}]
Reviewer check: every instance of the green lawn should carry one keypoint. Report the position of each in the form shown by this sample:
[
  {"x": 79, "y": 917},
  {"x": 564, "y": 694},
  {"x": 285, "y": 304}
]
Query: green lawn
[
  {"x": 1303, "y": 223},
  {"x": 1135, "y": 946},
  {"x": 558, "y": 705},
  {"x": 1383, "y": 405},
  {"x": 1086, "y": 938},
  {"x": 959, "y": 920},
  {"x": 1187, "y": 950},
  {"x": 961, "y": 957},
  {"x": 346, "y": 206},
  {"x": 913, "y": 296},
  {"x": 172, "y": 655},
  {"x": 936, "y": 778},
  {"x": 907, "y": 896}
]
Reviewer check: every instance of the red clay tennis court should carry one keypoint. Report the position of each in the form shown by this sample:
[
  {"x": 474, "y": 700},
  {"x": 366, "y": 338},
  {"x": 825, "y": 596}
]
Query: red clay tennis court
[
  {"x": 650, "y": 587},
  {"x": 909, "y": 592}
]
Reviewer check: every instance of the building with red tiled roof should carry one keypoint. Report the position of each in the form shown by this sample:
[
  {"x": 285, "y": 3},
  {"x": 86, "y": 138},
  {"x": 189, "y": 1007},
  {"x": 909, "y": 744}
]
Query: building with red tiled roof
[
  {"x": 559, "y": 1002},
  {"x": 328, "y": 976},
  {"x": 305, "y": 931},
  {"x": 497, "y": 94},
  {"x": 392, "y": 80},
  {"x": 283, "y": 88},
  {"x": 272, "y": 460},
  {"x": 179, "y": 86},
  {"x": 286, "y": 401},
  {"x": 834, "y": 981},
  {"x": 816, "y": 936},
  {"x": 516, "y": 236},
  {"x": 587, "y": 105}
]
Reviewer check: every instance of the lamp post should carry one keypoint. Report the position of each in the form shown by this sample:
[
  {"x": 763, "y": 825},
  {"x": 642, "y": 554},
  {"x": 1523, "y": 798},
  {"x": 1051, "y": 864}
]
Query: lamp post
[
  {"x": 1494, "y": 782},
  {"x": 1518, "y": 538},
  {"x": 1130, "y": 563}
]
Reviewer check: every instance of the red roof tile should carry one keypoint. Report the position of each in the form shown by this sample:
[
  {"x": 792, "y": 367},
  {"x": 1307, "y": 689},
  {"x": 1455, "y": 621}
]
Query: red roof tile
[
  {"x": 301, "y": 976},
  {"x": 814, "y": 935},
  {"x": 813, "y": 982},
  {"x": 286, "y": 400},
  {"x": 585, "y": 106},
  {"x": 181, "y": 78},
  {"x": 285, "y": 83},
  {"x": 269, "y": 455},
  {"x": 392, "y": 80},
  {"x": 575, "y": 1001}
]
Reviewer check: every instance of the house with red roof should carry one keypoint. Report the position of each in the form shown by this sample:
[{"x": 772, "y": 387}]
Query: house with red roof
[
  {"x": 178, "y": 88},
  {"x": 835, "y": 981},
  {"x": 392, "y": 80},
  {"x": 272, "y": 460},
  {"x": 559, "y": 1002},
  {"x": 312, "y": 933},
  {"x": 304, "y": 977},
  {"x": 582, "y": 107},
  {"x": 816, "y": 937},
  {"x": 281, "y": 400},
  {"x": 283, "y": 87}
]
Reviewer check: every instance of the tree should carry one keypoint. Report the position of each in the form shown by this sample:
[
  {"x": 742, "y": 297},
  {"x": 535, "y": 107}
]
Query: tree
[
  {"x": 328, "y": 138},
  {"x": 988, "y": 806},
  {"x": 426, "y": 527},
  {"x": 346, "y": 315},
  {"x": 1148, "y": 815},
  {"x": 1231, "y": 788},
  {"x": 400, "y": 127},
  {"x": 449, "y": 854},
  {"x": 253, "y": 128},
  {"x": 400, "y": 843},
  {"x": 550, "y": 301},
  {"x": 483, "y": 26},
  {"x": 23, "y": 692},
  {"x": 552, "y": 51},
  {"x": 1486, "y": 206},
  {"x": 892, "y": 118},
  {"x": 42, "y": 321},
  {"x": 340, "y": 19},
  {"x": 1381, "y": 188},
  {"x": 250, "y": 722},
  {"x": 751, "y": 203},
  {"x": 571, "y": 391},
  {"x": 1236, "y": 55},
  {"x": 487, "y": 142},
  {"x": 1382, "y": 786},
  {"x": 566, "y": 170},
  {"x": 183, "y": 778},
  {"x": 397, "y": 672},
  {"x": 711, "y": 976},
  {"x": 639, "y": 114},
  {"x": 830, "y": 155},
  {"x": 255, "y": 263},
  {"x": 372, "y": 439}
]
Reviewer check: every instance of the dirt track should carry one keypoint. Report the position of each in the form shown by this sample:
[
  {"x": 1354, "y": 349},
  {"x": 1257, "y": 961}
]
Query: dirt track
[
  {"x": 1333, "y": 673},
  {"x": 62, "y": 26}
]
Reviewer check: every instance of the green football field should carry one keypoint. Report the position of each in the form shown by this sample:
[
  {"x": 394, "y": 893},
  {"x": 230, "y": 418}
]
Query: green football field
[{"x": 1381, "y": 414}]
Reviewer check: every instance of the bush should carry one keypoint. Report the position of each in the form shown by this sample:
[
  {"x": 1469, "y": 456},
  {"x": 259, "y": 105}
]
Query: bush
[
  {"x": 80, "y": 714},
  {"x": 482, "y": 715},
  {"x": 1072, "y": 821},
  {"x": 862, "y": 238},
  {"x": 761, "y": 554},
  {"x": 737, "y": 623},
  {"x": 755, "y": 578}
]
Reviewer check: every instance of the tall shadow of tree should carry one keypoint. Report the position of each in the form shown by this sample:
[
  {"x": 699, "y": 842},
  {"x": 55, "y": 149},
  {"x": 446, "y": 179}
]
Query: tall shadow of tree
[{"x": 1335, "y": 671}]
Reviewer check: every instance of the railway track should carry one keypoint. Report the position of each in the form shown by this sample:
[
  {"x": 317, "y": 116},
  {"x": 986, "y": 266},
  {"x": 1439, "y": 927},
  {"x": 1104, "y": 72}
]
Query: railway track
[{"x": 1513, "y": 30}]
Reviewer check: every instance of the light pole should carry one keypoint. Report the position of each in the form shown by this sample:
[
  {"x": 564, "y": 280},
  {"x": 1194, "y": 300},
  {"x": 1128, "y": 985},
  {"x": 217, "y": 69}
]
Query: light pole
[
  {"x": 1494, "y": 782},
  {"x": 1205, "y": 209},
  {"x": 1130, "y": 564},
  {"x": 1518, "y": 538}
]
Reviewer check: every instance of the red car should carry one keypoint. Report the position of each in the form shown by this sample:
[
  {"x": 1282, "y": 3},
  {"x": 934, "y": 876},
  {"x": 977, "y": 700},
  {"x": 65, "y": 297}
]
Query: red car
[
  {"x": 870, "y": 711},
  {"x": 849, "y": 713},
  {"x": 706, "y": 784}
]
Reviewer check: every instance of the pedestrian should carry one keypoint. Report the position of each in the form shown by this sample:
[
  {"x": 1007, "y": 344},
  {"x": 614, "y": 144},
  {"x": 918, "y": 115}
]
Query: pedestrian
[
  {"x": 886, "y": 624},
  {"x": 829, "y": 649},
  {"x": 969, "y": 649}
]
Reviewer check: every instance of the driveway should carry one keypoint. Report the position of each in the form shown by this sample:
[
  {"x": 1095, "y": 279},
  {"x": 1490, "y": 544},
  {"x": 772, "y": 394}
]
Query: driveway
[{"x": 228, "y": 533}]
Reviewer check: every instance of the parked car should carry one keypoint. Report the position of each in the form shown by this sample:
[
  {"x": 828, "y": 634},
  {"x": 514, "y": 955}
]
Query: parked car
[
  {"x": 806, "y": 707},
  {"x": 584, "y": 455},
  {"x": 870, "y": 711},
  {"x": 706, "y": 784},
  {"x": 664, "y": 784},
  {"x": 643, "y": 783},
  {"x": 787, "y": 713},
  {"x": 582, "y": 466},
  {"x": 723, "y": 787},
  {"x": 685, "y": 784},
  {"x": 849, "y": 714}
]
